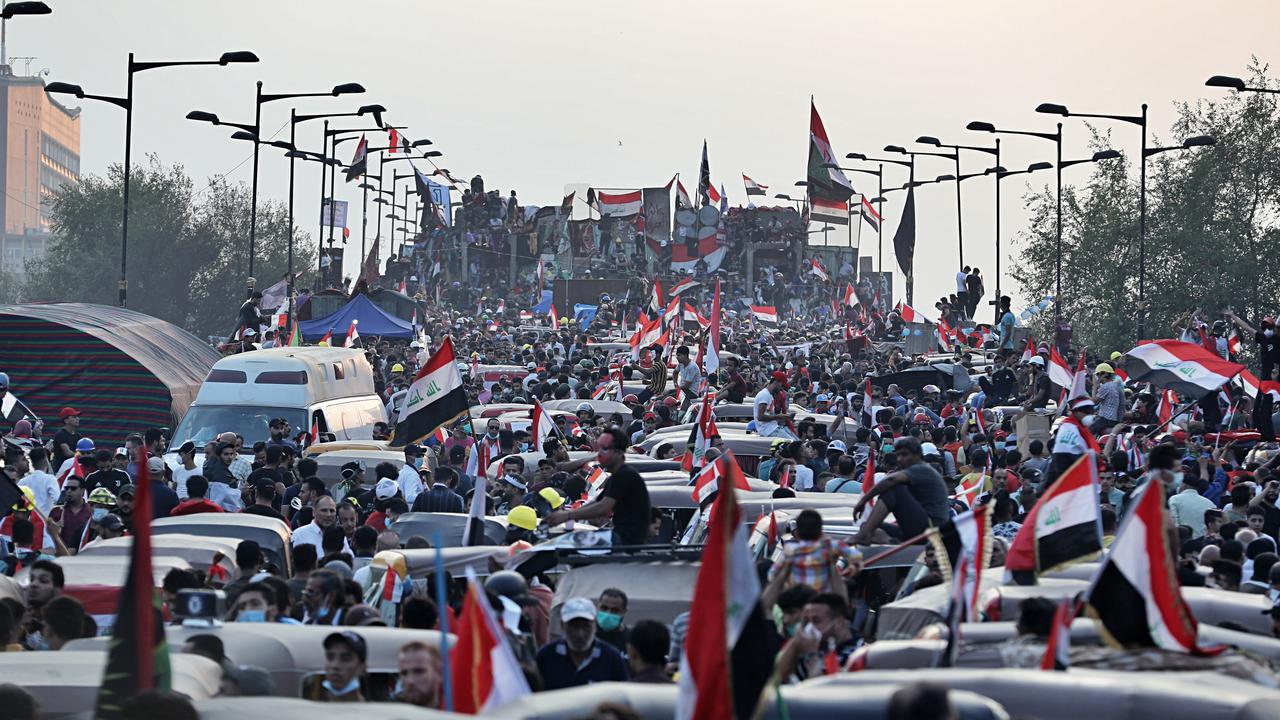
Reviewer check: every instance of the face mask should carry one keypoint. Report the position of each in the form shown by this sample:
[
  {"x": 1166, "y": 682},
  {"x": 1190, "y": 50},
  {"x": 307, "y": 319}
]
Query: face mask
[
  {"x": 1087, "y": 420},
  {"x": 492, "y": 434},
  {"x": 417, "y": 462},
  {"x": 608, "y": 621},
  {"x": 347, "y": 689},
  {"x": 99, "y": 513},
  {"x": 255, "y": 616}
]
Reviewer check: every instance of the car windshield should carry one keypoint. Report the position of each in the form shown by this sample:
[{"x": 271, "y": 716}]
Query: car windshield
[{"x": 203, "y": 423}]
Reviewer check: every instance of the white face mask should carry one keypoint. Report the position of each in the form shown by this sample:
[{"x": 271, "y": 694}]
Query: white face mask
[
  {"x": 1268, "y": 332},
  {"x": 1177, "y": 478},
  {"x": 1087, "y": 420}
]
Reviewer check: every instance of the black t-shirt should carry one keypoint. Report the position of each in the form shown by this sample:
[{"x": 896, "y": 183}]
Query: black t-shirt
[
  {"x": 111, "y": 479},
  {"x": 260, "y": 475},
  {"x": 62, "y": 437},
  {"x": 1268, "y": 348},
  {"x": 1042, "y": 390},
  {"x": 631, "y": 505},
  {"x": 256, "y": 509}
]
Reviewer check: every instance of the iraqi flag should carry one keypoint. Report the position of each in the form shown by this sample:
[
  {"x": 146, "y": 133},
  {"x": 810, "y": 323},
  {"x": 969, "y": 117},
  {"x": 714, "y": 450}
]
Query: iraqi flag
[
  {"x": 825, "y": 179},
  {"x": 711, "y": 351},
  {"x": 850, "y": 297},
  {"x": 649, "y": 332},
  {"x": 1059, "y": 371},
  {"x": 681, "y": 286},
  {"x": 353, "y": 335},
  {"x": 436, "y": 398},
  {"x": 909, "y": 314},
  {"x": 965, "y": 540},
  {"x": 1187, "y": 369},
  {"x": 1064, "y": 527},
  {"x": 815, "y": 267},
  {"x": 765, "y": 313},
  {"x": 704, "y": 429},
  {"x": 541, "y": 426},
  {"x": 626, "y": 204},
  {"x": 555, "y": 318},
  {"x": 870, "y": 214},
  {"x": 1134, "y": 596},
  {"x": 726, "y": 658},
  {"x": 828, "y": 210},
  {"x": 753, "y": 187},
  {"x": 359, "y": 161},
  {"x": 1029, "y": 351},
  {"x": 708, "y": 250},
  {"x": 1251, "y": 385},
  {"x": 137, "y": 655},
  {"x": 683, "y": 202},
  {"x": 724, "y": 470},
  {"x": 1079, "y": 380},
  {"x": 1057, "y": 650},
  {"x": 656, "y": 303},
  {"x": 716, "y": 196},
  {"x": 485, "y": 673}
]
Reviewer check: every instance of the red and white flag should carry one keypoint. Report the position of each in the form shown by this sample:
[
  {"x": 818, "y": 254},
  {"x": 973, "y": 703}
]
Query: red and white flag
[
  {"x": 555, "y": 318},
  {"x": 1059, "y": 371},
  {"x": 753, "y": 187},
  {"x": 485, "y": 673},
  {"x": 685, "y": 283},
  {"x": 765, "y": 313},
  {"x": 1135, "y": 597},
  {"x": 850, "y": 297},
  {"x": 1064, "y": 526},
  {"x": 1057, "y": 650},
  {"x": 624, "y": 204},
  {"x": 1029, "y": 351},
  {"x": 724, "y": 470},
  {"x": 541, "y": 426},
  {"x": 909, "y": 314},
  {"x": 1188, "y": 369},
  {"x": 711, "y": 351},
  {"x": 352, "y": 335},
  {"x": 725, "y": 598},
  {"x": 816, "y": 268}
]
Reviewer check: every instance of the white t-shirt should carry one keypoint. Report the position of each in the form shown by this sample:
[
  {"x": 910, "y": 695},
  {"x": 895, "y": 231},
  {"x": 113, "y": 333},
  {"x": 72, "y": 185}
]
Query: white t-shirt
[
  {"x": 45, "y": 488},
  {"x": 960, "y": 282},
  {"x": 764, "y": 397},
  {"x": 1069, "y": 441},
  {"x": 180, "y": 477},
  {"x": 410, "y": 483}
]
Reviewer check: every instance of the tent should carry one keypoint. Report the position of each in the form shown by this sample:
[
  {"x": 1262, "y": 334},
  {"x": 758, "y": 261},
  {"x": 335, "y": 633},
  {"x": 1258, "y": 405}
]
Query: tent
[
  {"x": 372, "y": 321},
  {"x": 125, "y": 371}
]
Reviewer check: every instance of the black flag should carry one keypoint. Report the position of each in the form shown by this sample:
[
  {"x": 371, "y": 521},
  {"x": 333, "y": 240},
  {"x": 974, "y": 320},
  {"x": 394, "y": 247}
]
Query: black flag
[{"x": 904, "y": 240}]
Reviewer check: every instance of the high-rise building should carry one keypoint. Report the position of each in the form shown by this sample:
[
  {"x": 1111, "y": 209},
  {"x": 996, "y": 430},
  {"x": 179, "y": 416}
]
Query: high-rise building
[{"x": 39, "y": 153}]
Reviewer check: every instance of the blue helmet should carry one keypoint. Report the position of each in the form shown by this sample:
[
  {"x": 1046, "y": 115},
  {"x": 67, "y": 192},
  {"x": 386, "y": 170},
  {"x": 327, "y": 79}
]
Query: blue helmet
[
  {"x": 4, "y": 381},
  {"x": 84, "y": 445}
]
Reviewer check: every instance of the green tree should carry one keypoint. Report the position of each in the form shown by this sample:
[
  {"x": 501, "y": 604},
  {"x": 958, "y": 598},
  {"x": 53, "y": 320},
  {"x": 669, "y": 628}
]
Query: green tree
[
  {"x": 1213, "y": 221},
  {"x": 188, "y": 249}
]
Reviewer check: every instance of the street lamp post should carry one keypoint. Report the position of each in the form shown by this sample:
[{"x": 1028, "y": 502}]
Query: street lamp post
[
  {"x": 126, "y": 102},
  {"x": 955, "y": 152},
  {"x": 879, "y": 199},
  {"x": 12, "y": 10},
  {"x": 1056, "y": 138},
  {"x": 259, "y": 100}
]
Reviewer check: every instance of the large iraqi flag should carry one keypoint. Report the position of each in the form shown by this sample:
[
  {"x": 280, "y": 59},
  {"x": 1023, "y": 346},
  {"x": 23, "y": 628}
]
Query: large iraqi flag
[
  {"x": 1065, "y": 525},
  {"x": 624, "y": 204},
  {"x": 1187, "y": 369},
  {"x": 436, "y": 398}
]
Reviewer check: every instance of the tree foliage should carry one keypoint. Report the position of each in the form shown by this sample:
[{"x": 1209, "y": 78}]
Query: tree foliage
[
  {"x": 188, "y": 249},
  {"x": 1213, "y": 225}
]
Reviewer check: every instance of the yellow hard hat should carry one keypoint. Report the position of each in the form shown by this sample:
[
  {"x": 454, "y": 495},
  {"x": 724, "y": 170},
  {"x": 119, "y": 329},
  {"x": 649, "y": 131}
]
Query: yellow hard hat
[
  {"x": 552, "y": 497},
  {"x": 523, "y": 517},
  {"x": 28, "y": 500},
  {"x": 1116, "y": 355},
  {"x": 1104, "y": 368},
  {"x": 397, "y": 368}
]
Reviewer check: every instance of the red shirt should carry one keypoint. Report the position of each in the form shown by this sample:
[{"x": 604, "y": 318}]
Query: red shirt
[
  {"x": 377, "y": 520},
  {"x": 195, "y": 507}
]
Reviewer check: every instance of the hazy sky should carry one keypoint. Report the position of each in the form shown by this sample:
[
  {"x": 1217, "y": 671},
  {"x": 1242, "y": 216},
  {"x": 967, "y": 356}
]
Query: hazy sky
[{"x": 534, "y": 95}]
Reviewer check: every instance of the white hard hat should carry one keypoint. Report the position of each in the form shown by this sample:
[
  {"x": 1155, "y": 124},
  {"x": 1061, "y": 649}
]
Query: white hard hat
[{"x": 1037, "y": 360}]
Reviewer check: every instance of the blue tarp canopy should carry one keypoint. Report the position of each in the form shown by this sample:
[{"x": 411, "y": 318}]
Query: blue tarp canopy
[{"x": 373, "y": 320}]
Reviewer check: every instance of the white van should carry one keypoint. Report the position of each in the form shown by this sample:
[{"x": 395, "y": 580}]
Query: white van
[{"x": 330, "y": 388}]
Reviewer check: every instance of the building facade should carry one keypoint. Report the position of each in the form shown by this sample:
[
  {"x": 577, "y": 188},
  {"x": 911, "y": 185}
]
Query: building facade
[{"x": 39, "y": 153}]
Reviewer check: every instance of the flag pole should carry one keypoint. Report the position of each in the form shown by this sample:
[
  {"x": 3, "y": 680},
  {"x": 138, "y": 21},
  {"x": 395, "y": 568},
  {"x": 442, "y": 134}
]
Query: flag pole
[
  {"x": 443, "y": 607},
  {"x": 898, "y": 548}
]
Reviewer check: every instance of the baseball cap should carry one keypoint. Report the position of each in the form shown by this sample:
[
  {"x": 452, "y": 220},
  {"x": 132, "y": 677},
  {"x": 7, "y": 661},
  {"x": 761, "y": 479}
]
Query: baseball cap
[
  {"x": 351, "y": 640},
  {"x": 578, "y": 608},
  {"x": 779, "y": 376},
  {"x": 67, "y": 412},
  {"x": 111, "y": 521},
  {"x": 155, "y": 466},
  {"x": 122, "y": 452},
  {"x": 415, "y": 450},
  {"x": 823, "y": 398},
  {"x": 187, "y": 448},
  {"x": 929, "y": 449},
  {"x": 128, "y": 490},
  {"x": 385, "y": 489},
  {"x": 1037, "y": 360},
  {"x": 84, "y": 445}
]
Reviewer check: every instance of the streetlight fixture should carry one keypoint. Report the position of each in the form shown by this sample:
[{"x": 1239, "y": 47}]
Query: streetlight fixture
[
  {"x": 878, "y": 201},
  {"x": 259, "y": 99},
  {"x": 14, "y": 9},
  {"x": 126, "y": 103},
  {"x": 1056, "y": 138},
  {"x": 1237, "y": 84}
]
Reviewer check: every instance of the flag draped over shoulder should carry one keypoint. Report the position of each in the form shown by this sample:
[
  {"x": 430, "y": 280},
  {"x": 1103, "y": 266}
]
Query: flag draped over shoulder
[
  {"x": 137, "y": 656},
  {"x": 716, "y": 680},
  {"x": 435, "y": 398},
  {"x": 1134, "y": 596}
]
